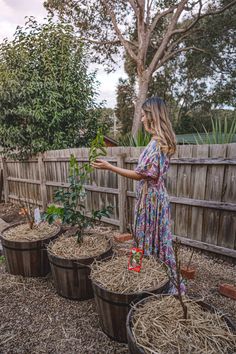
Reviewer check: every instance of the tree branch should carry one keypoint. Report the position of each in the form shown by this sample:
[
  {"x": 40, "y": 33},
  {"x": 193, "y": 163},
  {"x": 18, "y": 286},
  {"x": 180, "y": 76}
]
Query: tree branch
[
  {"x": 118, "y": 31},
  {"x": 149, "y": 6},
  {"x": 115, "y": 41},
  {"x": 186, "y": 29},
  {"x": 134, "y": 7},
  {"x": 142, "y": 42},
  {"x": 175, "y": 43},
  {"x": 91, "y": 40},
  {"x": 158, "y": 16},
  {"x": 167, "y": 36},
  {"x": 141, "y": 3},
  {"x": 172, "y": 54}
]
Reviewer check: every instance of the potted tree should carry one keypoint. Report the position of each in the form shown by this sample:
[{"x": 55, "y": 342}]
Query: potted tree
[
  {"x": 119, "y": 282},
  {"x": 177, "y": 324},
  {"x": 24, "y": 243},
  {"x": 71, "y": 255}
]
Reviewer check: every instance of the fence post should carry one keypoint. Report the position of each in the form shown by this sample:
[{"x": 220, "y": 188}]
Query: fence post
[
  {"x": 5, "y": 180},
  {"x": 122, "y": 198},
  {"x": 42, "y": 178}
]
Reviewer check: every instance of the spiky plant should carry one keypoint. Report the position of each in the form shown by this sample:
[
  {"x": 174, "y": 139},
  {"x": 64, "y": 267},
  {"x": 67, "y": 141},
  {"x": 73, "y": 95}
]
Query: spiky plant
[
  {"x": 222, "y": 132},
  {"x": 142, "y": 139}
]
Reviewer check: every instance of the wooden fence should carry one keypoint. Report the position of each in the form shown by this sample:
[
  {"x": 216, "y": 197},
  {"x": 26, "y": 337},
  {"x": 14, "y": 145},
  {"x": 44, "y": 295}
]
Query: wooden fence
[{"x": 201, "y": 183}]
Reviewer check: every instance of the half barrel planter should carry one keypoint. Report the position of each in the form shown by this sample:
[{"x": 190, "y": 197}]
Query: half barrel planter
[
  {"x": 71, "y": 277},
  {"x": 114, "y": 307},
  {"x": 134, "y": 348},
  {"x": 27, "y": 258}
]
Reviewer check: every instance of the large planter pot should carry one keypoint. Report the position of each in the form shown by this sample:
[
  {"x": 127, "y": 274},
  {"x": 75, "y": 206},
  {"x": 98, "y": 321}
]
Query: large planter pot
[
  {"x": 113, "y": 308},
  {"x": 71, "y": 276},
  {"x": 134, "y": 348},
  {"x": 27, "y": 258}
]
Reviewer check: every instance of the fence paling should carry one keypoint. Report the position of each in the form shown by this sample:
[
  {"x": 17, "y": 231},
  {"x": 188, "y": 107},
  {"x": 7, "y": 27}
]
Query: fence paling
[
  {"x": 122, "y": 189},
  {"x": 201, "y": 184},
  {"x": 5, "y": 180},
  {"x": 42, "y": 177}
]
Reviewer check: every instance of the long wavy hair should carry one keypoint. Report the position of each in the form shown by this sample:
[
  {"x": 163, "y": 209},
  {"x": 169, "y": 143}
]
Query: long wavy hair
[{"x": 159, "y": 123}]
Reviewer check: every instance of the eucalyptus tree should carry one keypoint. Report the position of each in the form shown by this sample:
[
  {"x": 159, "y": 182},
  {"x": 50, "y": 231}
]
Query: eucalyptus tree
[{"x": 163, "y": 25}]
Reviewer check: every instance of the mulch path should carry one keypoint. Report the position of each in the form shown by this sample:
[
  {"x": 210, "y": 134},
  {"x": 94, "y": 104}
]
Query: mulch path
[
  {"x": 34, "y": 319},
  {"x": 210, "y": 272}
]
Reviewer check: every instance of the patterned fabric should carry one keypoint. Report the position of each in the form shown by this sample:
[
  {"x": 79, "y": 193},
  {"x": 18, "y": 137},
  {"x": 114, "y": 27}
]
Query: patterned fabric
[{"x": 152, "y": 224}]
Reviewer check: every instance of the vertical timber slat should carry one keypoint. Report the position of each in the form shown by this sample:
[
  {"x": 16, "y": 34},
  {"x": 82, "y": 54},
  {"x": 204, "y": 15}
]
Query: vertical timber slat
[
  {"x": 5, "y": 180},
  {"x": 122, "y": 187},
  {"x": 198, "y": 186},
  {"x": 42, "y": 177}
]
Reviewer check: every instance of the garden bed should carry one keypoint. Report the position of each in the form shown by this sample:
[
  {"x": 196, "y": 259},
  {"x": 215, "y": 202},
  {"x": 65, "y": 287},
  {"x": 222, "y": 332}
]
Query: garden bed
[{"x": 34, "y": 319}]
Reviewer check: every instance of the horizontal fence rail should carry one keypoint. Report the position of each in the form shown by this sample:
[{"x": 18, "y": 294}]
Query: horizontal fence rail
[{"x": 201, "y": 183}]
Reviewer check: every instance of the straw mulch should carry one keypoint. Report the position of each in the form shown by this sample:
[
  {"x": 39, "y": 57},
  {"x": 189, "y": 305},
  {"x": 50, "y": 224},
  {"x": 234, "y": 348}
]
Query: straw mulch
[
  {"x": 114, "y": 275},
  {"x": 67, "y": 247},
  {"x": 159, "y": 327},
  {"x": 24, "y": 233}
]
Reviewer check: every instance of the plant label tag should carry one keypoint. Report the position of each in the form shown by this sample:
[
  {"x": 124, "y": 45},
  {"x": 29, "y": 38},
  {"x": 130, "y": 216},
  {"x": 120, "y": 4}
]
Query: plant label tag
[
  {"x": 37, "y": 216},
  {"x": 135, "y": 259}
]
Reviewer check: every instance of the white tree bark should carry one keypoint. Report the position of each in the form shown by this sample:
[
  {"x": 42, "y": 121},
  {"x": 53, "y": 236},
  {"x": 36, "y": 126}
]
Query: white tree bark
[{"x": 141, "y": 96}]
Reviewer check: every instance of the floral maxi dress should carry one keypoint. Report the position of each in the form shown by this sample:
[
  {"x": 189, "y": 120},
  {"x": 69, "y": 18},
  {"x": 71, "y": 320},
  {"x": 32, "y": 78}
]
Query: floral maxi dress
[{"x": 152, "y": 223}]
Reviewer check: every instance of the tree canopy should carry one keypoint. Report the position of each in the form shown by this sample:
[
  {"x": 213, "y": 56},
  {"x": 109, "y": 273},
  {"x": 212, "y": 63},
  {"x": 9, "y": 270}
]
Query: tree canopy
[
  {"x": 152, "y": 32},
  {"x": 47, "y": 95},
  {"x": 196, "y": 85}
]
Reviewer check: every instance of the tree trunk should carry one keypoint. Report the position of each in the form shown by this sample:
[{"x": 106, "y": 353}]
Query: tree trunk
[{"x": 142, "y": 94}]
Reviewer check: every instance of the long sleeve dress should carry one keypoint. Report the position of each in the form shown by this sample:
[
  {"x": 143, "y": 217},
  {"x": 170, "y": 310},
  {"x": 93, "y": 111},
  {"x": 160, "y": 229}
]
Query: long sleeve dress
[{"x": 152, "y": 223}]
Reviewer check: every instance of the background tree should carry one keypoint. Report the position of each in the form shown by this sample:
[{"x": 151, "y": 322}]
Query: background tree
[
  {"x": 106, "y": 119},
  {"x": 196, "y": 85},
  {"x": 124, "y": 111},
  {"x": 163, "y": 25},
  {"x": 46, "y": 93}
]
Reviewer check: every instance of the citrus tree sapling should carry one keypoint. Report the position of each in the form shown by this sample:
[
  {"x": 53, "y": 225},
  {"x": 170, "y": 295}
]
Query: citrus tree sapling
[{"x": 71, "y": 209}]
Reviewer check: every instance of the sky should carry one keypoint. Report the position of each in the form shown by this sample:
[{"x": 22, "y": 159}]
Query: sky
[{"x": 12, "y": 14}]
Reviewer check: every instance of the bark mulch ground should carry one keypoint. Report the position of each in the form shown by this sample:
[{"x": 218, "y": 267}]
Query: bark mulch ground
[{"x": 34, "y": 319}]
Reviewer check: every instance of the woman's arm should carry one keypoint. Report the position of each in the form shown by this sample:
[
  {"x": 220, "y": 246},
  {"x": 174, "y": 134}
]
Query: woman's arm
[{"x": 105, "y": 165}]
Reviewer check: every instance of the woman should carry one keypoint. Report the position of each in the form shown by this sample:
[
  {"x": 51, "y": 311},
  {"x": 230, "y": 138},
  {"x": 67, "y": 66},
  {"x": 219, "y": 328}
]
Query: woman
[{"x": 152, "y": 226}]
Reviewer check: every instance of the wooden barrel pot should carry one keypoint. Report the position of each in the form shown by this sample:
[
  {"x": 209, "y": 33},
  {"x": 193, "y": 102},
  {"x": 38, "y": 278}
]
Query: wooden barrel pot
[
  {"x": 113, "y": 308},
  {"x": 71, "y": 276},
  {"x": 27, "y": 258},
  {"x": 135, "y": 349}
]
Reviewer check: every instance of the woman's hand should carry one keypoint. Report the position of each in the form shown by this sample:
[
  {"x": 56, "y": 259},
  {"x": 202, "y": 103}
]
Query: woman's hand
[
  {"x": 101, "y": 164},
  {"x": 105, "y": 165}
]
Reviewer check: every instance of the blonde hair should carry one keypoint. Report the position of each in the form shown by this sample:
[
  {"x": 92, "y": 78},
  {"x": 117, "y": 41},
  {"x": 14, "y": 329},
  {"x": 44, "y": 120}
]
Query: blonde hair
[{"x": 159, "y": 123}]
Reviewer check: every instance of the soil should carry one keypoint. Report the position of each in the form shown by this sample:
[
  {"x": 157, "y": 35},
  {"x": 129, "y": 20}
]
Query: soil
[{"x": 35, "y": 320}]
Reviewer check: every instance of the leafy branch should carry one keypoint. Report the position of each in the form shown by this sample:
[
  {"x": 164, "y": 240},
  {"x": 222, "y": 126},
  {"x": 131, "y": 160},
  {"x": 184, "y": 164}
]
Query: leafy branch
[{"x": 72, "y": 212}]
